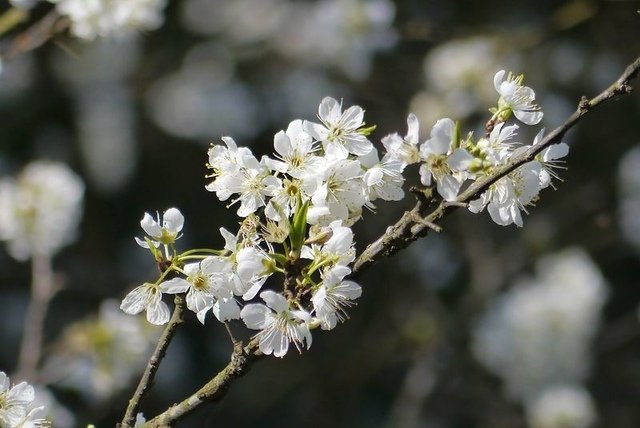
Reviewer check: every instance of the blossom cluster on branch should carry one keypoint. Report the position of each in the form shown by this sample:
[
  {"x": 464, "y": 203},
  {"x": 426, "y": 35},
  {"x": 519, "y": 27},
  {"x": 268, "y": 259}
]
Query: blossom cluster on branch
[{"x": 297, "y": 209}]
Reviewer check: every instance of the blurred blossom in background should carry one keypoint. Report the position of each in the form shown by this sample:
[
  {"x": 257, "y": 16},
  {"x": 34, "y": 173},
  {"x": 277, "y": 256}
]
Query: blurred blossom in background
[
  {"x": 40, "y": 209},
  {"x": 479, "y": 326},
  {"x": 539, "y": 335}
]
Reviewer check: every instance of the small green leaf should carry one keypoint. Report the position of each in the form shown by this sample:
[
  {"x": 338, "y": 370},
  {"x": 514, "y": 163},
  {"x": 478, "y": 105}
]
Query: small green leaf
[
  {"x": 298, "y": 230},
  {"x": 366, "y": 130}
]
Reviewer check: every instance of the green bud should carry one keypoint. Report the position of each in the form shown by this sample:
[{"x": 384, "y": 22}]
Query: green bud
[
  {"x": 366, "y": 130},
  {"x": 298, "y": 229}
]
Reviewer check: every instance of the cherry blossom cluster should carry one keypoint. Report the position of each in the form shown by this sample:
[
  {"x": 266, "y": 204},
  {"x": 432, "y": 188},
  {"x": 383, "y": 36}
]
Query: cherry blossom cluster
[
  {"x": 16, "y": 405},
  {"x": 297, "y": 207}
]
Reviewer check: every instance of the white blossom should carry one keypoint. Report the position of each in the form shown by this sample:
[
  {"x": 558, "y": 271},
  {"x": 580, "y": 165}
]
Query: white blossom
[
  {"x": 539, "y": 333},
  {"x": 163, "y": 230},
  {"x": 252, "y": 270},
  {"x": 341, "y": 192},
  {"x": 517, "y": 98},
  {"x": 405, "y": 149},
  {"x": 337, "y": 250},
  {"x": 40, "y": 210},
  {"x": 15, "y": 405},
  {"x": 278, "y": 324},
  {"x": 561, "y": 406},
  {"x": 100, "y": 356},
  {"x": 333, "y": 295},
  {"x": 510, "y": 195},
  {"x": 382, "y": 179},
  {"x": 147, "y": 297},
  {"x": 208, "y": 284},
  {"x": 102, "y": 18},
  {"x": 437, "y": 153},
  {"x": 339, "y": 131}
]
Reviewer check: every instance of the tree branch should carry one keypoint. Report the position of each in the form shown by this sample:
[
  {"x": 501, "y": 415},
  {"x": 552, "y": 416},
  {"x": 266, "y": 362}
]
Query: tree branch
[
  {"x": 412, "y": 225},
  {"x": 215, "y": 389},
  {"x": 154, "y": 363},
  {"x": 415, "y": 223}
]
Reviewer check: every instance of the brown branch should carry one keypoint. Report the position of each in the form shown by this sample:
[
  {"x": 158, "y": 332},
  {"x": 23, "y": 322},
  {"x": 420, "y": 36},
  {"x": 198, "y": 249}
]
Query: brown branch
[
  {"x": 215, "y": 389},
  {"x": 154, "y": 363},
  {"x": 36, "y": 35},
  {"x": 412, "y": 225},
  {"x": 416, "y": 223}
]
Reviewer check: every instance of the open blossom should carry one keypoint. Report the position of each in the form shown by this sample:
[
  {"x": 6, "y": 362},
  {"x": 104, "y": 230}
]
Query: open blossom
[
  {"x": 441, "y": 160},
  {"x": 296, "y": 151},
  {"x": 237, "y": 171},
  {"x": 337, "y": 250},
  {"x": 405, "y": 149},
  {"x": 278, "y": 324},
  {"x": 341, "y": 191},
  {"x": 147, "y": 297},
  {"x": 561, "y": 406},
  {"x": 40, "y": 210},
  {"x": 382, "y": 179},
  {"x": 510, "y": 195},
  {"x": 517, "y": 98},
  {"x": 333, "y": 295},
  {"x": 208, "y": 285},
  {"x": 102, "y": 18},
  {"x": 499, "y": 146},
  {"x": 225, "y": 162},
  {"x": 252, "y": 270},
  {"x": 15, "y": 403},
  {"x": 163, "y": 230},
  {"x": 340, "y": 131}
]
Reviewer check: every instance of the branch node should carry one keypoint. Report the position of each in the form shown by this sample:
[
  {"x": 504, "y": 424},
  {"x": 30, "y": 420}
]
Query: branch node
[
  {"x": 584, "y": 104},
  {"x": 420, "y": 220}
]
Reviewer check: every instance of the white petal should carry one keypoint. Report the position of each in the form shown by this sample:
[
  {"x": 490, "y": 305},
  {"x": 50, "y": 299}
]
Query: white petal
[
  {"x": 498, "y": 79},
  {"x": 459, "y": 160},
  {"x": 175, "y": 285},
  {"x": 555, "y": 152},
  {"x": 150, "y": 226},
  {"x": 158, "y": 311},
  {"x": 414, "y": 130},
  {"x": 274, "y": 300},
  {"x": 256, "y": 316},
  {"x": 173, "y": 220},
  {"x": 529, "y": 117},
  {"x": 135, "y": 301},
  {"x": 441, "y": 136}
]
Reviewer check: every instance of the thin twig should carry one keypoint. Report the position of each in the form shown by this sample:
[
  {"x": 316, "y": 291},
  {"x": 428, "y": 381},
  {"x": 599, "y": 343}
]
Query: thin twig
[
  {"x": 36, "y": 35},
  {"x": 154, "y": 363},
  {"x": 412, "y": 225}
]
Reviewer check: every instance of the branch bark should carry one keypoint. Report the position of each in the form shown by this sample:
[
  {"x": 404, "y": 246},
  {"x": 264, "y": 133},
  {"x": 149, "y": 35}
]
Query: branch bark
[
  {"x": 146, "y": 381},
  {"x": 412, "y": 225}
]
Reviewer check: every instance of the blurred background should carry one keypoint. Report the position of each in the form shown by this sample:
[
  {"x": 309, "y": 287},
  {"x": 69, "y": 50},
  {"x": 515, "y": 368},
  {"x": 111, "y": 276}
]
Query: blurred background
[{"x": 479, "y": 326}]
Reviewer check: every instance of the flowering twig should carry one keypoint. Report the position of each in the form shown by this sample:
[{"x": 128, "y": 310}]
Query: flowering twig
[
  {"x": 154, "y": 362},
  {"x": 413, "y": 224},
  {"x": 408, "y": 228}
]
